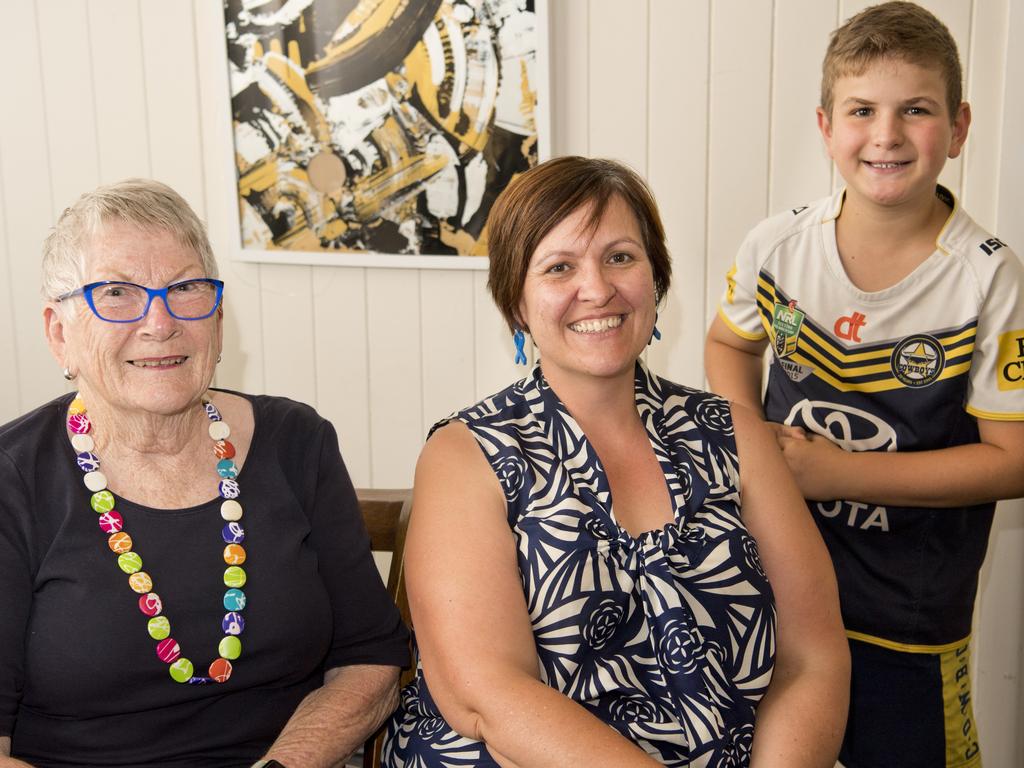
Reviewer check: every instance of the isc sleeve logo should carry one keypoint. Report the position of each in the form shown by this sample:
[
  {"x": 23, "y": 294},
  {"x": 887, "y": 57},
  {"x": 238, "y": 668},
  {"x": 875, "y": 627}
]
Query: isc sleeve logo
[{"x": 1010, "y": 365}]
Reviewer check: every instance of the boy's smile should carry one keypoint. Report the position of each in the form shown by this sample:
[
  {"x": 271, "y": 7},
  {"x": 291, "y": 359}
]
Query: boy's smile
[{"x": 890, "y": 133}]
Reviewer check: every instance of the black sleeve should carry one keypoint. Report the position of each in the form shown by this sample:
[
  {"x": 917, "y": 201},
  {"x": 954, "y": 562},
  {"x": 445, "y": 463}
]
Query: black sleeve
[
  {"x": 368, "y": 628},
  {"x": 15, "y": 588}
]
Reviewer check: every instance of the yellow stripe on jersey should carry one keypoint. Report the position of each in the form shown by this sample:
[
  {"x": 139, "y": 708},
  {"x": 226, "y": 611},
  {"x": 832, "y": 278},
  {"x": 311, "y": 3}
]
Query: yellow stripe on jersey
[
  {"x": 993, "y": 415},
  {"x": 739, "y": 331},
  {"x": 879, "y": 385},
  {"x": 962, "y": 749},
  {"x": 851, "y": 357},
  {"x": 827, "y": 364},
  {"x": 892, "y": 645}
]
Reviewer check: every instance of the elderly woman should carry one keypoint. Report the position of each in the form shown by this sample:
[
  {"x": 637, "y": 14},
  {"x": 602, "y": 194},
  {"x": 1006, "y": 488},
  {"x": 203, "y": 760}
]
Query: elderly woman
[
  {"x": 593, "y": 546},
  {"x": 186, "y": 577}
]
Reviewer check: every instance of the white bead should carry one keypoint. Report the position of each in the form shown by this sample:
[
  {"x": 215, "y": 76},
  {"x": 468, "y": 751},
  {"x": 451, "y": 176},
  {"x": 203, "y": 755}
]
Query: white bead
[
  {"x": 95, "y": 481},
  {"x": 219, "y": 430},
  {"x": 231, "y": 510},
  {"x": 82, "y": 443}
]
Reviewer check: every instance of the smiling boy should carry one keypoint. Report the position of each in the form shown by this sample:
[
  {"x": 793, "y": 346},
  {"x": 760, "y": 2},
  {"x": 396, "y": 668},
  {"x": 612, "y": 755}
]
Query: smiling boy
[{"x": 896, "y": 380}]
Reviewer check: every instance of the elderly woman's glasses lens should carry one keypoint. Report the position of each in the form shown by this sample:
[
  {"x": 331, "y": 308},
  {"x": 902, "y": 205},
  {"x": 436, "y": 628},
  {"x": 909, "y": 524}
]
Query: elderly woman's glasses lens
[{"x": 118, "y": 302}]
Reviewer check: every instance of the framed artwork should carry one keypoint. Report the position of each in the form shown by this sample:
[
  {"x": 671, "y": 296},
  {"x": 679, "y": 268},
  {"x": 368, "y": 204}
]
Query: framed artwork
[{"x": 380, "y": 132}]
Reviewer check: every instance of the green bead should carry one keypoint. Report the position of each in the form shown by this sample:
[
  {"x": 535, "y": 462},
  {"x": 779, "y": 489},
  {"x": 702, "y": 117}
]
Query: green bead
[
  {"x": 234, "y": 576},
  {"x": 181, "y": 670},
  {"x": 230, "y": 647},
  {"x": 102, "y": 501},
  {"x": 129, "y": 562},
  {"x": 159, "y": 627}
]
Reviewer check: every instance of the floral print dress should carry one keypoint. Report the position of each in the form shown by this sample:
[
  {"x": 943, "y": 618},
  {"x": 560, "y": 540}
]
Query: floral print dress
[{"x": 668, "y": 637}]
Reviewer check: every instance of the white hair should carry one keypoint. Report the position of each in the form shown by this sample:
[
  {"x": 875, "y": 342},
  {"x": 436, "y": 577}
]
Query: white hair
[{"x": 143, "y": 203}]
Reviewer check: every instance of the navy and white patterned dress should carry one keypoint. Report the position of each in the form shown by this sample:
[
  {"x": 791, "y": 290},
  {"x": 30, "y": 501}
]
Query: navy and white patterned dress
[{"x": 669, "y": 637}]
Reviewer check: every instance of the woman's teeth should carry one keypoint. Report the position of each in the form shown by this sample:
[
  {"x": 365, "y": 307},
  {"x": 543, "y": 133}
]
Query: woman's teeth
[
  {"x": 158, "y": 363},
  {"x": 596, "y": 326}
]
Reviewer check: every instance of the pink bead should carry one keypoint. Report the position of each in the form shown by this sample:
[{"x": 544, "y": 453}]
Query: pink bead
[
  {"x": 168, "y": 650},
  {"x": 79, "y": 423},
  {"x": 150, "y": 604},
  {"x": 111, "y": 522}
]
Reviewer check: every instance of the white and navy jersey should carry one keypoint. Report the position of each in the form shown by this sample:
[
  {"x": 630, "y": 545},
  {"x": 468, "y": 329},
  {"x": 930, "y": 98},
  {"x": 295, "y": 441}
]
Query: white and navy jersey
[{"x": 907, "y": 368}]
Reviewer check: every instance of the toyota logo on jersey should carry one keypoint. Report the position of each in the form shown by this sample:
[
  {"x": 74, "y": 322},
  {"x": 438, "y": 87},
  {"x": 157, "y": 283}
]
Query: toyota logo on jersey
[{"x": 849, "y": 427}]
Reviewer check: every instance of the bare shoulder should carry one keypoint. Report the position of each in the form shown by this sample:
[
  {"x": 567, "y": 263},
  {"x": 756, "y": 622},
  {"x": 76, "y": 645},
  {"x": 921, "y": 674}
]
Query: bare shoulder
[{"x": 452, "y": 472}]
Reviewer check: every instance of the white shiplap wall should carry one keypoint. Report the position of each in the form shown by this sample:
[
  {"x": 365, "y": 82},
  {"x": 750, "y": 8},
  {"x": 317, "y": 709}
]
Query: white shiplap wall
[{"x": 711, "y": 99}]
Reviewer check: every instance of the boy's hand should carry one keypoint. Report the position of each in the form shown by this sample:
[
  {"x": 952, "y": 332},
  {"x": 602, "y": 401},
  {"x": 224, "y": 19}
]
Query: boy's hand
[
  {"x": 785, "y": 430},
  {"x": 815, "y": 461}
]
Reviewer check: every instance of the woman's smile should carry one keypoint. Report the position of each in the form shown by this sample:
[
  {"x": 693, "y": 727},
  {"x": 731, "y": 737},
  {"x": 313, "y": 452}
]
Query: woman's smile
[
  {"x": 158, "y": 362},
  {"x": 597, "y": 325},
  {"x": 589, "y": 299}
]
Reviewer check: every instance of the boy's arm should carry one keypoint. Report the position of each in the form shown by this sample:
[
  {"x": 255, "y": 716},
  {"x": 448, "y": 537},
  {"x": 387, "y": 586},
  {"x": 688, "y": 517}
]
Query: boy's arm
[
  {"x": 990, "y": 470},
  {"x": 733, "y": 365}
]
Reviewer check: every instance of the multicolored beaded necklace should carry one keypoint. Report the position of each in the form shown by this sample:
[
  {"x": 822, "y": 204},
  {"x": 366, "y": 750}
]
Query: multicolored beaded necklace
[{"x": 129, "y": 561}]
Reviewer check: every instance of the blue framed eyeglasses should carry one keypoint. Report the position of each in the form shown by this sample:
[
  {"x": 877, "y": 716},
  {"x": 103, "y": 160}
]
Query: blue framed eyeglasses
[{"x": 119, "y": 302}]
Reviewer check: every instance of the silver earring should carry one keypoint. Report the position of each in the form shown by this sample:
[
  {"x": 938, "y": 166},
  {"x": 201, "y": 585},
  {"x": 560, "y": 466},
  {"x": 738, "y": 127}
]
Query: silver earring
[
  {"x": 68, "y": 374},
  {"x": 219, "y": 358}
]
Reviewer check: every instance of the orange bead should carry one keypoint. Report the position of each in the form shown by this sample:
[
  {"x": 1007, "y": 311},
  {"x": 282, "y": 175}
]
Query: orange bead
[
  {"x": 234, "y": 554},
  {"x": 140, "y": 582},
  {"x": 223, "y": 449},
  {"x": 120, "y": 542},
  {"x": 220, "y": 670}
]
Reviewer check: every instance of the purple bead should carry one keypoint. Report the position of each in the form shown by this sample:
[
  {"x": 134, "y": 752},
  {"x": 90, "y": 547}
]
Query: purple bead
[
  {"x": 211, "y": 411},
  {"x": 88, "y": 462},
  {"x": 233, "y": 533},
  {"x": 229, "y": 489},
  {"x": 233, "y": 623}
]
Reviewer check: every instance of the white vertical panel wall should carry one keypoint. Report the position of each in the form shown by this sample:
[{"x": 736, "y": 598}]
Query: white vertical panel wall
[{"x": 712, "y": 100}]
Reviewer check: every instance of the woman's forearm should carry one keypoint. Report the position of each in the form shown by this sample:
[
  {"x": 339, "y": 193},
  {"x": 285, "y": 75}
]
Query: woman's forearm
[
  {"x": 332, "y": 721},
  {"x": 801, "y": 719},
  {"x": 530, "y": 725}
]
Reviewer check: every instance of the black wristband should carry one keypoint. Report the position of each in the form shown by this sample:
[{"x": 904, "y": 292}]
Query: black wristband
[{"x": 267, "y": 764}]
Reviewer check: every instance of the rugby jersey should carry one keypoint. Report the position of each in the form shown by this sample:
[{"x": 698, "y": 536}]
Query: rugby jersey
[{"x": 906, "y": 368}]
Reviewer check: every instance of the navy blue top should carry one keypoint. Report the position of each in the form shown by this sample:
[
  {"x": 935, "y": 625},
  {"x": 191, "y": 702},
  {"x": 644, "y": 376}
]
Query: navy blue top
[
  {"x": 668, "y": 637},
  {"x": 80, "y": 681}
]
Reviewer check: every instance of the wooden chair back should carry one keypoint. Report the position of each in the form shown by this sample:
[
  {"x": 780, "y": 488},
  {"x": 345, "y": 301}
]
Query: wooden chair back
[{"x": 386, "y": 516}]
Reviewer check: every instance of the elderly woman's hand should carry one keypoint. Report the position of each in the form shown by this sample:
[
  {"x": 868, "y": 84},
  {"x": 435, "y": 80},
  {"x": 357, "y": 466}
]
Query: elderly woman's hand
[{"x": 334, "y": 720}]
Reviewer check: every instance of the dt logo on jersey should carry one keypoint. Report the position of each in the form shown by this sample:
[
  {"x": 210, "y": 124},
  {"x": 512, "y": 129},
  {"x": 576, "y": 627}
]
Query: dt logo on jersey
[
  {"x": 786, "y": 322},
  {"x": 848, "y": 326},
  {"x": 918, "y": 360}
]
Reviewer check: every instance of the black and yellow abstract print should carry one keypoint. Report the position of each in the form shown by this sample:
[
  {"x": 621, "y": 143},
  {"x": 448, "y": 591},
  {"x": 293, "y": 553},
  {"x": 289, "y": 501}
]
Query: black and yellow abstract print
[{"x": 379, "y": 126}]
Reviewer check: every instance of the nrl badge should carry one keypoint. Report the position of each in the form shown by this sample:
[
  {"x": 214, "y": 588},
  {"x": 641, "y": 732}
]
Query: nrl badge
[{"x": 786, "y": 322}]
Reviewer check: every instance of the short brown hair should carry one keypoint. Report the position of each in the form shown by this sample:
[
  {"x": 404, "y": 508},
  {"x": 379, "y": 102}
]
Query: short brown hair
[
  {"x": 897, "y": 30},
  {"x": 538, "y": 200}
]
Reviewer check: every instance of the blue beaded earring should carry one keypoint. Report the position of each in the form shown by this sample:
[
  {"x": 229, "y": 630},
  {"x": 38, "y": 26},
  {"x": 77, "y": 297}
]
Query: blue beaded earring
[
  {"x": 519, "y": 339},
  {"x": 656, "y": 334}
]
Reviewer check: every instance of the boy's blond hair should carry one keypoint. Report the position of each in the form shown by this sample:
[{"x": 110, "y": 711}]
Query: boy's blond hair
[{"x": 896, "y": 30}]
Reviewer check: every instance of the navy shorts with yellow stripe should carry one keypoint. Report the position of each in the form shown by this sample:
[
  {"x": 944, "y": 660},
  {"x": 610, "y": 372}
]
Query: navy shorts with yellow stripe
[{"x": 911, "y": 710}]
